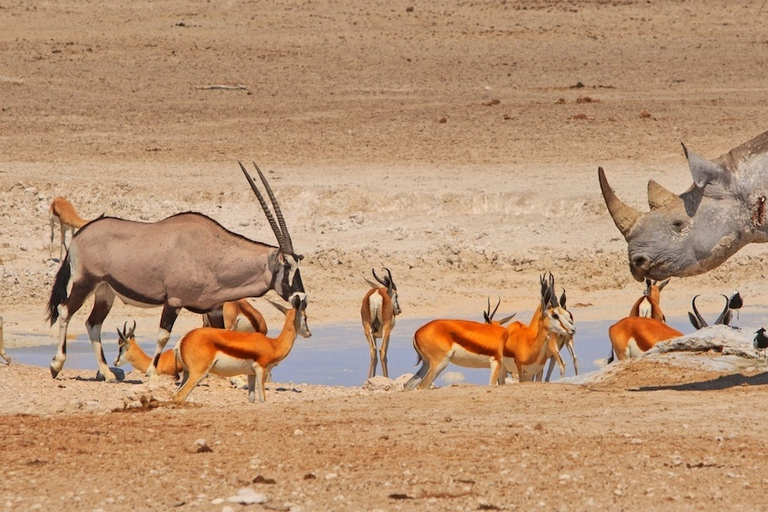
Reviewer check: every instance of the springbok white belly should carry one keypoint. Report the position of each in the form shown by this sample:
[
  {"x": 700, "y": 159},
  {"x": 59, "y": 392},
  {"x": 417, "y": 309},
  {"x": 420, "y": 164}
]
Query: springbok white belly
[
  {"x": 228, "y": 366},
  {"x": 633, "y": 350},
  {"x": 462, "y": 357}
]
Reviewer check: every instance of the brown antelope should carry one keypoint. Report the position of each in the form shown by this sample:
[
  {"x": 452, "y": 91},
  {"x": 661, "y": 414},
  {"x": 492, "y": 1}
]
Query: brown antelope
[
  {"x": 131, "y": 353},
  {"x": 649, "y": 305},
  {"x": 64, "y": 214},
  {"x": 378, "y": 311},
  {"x": 185, "y": 261},
  {"x": 555, "y": 344},
  {"x": 632, "y": 336},
  {"x": 480, "y": 345},
  {"x": 529, "y": 345},
  {"x": 2, "y": 348},
  {"x": 228, "y": 353},
  {"x": 238, "y": 315}
]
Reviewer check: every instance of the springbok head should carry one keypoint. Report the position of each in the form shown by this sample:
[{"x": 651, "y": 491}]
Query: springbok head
[
  {"x": 556, "y": 313},
  {"x": 388, "y": 283},
  {"x": 488, "y": 314},
  {"x": 299, "y": 303},
  {"x": 285, "y": 262},
  {"x": 694, "y": 232},
  {"x": 124, "y": 339}
]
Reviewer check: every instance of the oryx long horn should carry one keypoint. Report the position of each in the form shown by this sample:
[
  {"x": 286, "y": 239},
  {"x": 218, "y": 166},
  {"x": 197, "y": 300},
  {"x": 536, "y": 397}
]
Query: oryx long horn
[
  {"x": 725, "y": 316},
  {"x": 288, "y": 243},
  {"x": 624, "y": 216},
  {"x": 267, "y": 212},
  {"x": 658, "y": 196},
  {"x": 696, "y": 320}
]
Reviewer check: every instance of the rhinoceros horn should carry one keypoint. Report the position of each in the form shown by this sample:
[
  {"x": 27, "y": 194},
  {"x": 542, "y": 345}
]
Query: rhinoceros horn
[
  {"x": 624, "y": 216},
  {"x": 659, "y": 197}
]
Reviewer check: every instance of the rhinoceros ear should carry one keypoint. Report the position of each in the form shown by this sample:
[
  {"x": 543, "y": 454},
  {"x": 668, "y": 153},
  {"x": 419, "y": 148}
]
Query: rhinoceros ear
[{"x": 705, "y": 171}]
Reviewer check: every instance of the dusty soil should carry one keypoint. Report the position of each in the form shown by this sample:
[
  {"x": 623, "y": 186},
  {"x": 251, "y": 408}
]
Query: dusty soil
[{"x": 456, "y": 143}]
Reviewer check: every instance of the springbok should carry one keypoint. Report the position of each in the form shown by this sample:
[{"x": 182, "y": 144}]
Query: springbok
[
  {"x": 2, "y": 348},
  {"x": 633, "y": 335},
  {"x": 129, "y": 352},
  {"x": 555, "y": 344},
  {"x": 691, "y": 233},
  {"x": 187, "y": 261},
  {"x": 62, "y": 212},
  {"x": 378, "y": 311},
  {"x": 480, "y": 345},
  {"x": 529, "y": 345},
  {"x": 228, "y": 353},
  {"x": 649, "y": 305},
  {"x": 698, "y": 321},
  {"x": 237, "y": 315}
]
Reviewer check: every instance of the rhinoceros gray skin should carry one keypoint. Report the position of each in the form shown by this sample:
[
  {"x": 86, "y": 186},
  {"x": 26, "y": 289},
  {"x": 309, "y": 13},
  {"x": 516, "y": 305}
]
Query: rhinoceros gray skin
[{"x": 694, "y": 232}]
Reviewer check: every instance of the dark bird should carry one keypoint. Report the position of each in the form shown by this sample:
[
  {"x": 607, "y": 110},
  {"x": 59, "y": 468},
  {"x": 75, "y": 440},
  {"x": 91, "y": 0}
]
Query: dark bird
[
  {"x": 735, "y": 303},
  {"x": 761, "y": 341}
]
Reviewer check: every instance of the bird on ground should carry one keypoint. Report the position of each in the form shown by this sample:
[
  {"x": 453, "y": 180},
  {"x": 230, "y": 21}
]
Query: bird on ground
[
  {"x": 735, "y": 303},
  {"x": 761, "y": 341}
]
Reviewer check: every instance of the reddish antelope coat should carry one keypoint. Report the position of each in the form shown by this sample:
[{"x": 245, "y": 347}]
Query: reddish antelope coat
[
  {"x": 62, "y": 212},
  {"x": 129, "y": 352},
  {"x": 228, "y": 353},
  {"x": 378, "y": 311},
  {"x": 632, "y": 336}
]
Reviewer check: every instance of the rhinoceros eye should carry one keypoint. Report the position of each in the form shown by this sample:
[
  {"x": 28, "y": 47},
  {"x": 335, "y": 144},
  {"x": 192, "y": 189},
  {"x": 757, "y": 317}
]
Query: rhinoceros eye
[{"x": 678, "y": 225}]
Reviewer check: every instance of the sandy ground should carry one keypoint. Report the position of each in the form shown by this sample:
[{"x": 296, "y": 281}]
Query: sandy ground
[{"x": 457, "y": 144}]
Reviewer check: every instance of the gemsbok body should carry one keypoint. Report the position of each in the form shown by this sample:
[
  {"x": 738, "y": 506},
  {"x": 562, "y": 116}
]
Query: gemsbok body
[
  {"x": 186, "y": 261},
  {"x": 228, "y": 353},
  {"x": 483, "y": 345},
  {"x": 378, "y": 311},
  {"x": 649, "y": 305},
  {"x": 632, "y": 336},
  {"x": 62, "y": 212},
  {"x": 129, "y": 352}
]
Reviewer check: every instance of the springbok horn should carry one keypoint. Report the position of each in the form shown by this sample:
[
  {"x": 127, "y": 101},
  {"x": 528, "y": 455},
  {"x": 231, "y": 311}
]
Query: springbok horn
[
  {"x": 507, "y": 319},
  {"x": 659, "y": 197},
  {"x": 699, "y": 322},
  {"x": 288, "y": 247},
  {"x": 263, "y": 203},
  {"x": 498, "y": 303},
  {"x": 725, "y": 316},
  {"x": 383, "y": 282},
  {"x": 624, "y": 216}
]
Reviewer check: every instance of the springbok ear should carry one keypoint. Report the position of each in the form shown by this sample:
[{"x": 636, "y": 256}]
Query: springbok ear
[
  {"x": 705, "y": 171},
  {"x": 664, "y": 283}
]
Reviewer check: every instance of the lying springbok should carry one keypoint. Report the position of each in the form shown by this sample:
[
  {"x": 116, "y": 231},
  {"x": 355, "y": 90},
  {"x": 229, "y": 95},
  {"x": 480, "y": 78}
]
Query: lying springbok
[
  {"x": 698, "y": 321},
  {"x": 633, "y": 335},
  {"x": 531, "y": 345},
  {"x": 62, "y": 212},
  {"x": 228, "y": 353},
  {"x": 129, "y": 352},
  {"x": 185, "y": 261},
  {"x": 480, "y": 345},
  {"x": 691, "y": 233},
  {"x": 2, "y": 348},
  {"x": 378, "y": 311},
  {"x": 649, "y": 305}
]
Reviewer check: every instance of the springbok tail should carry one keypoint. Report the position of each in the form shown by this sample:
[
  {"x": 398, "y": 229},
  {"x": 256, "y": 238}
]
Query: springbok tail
[
  {"x": 610, "y": 356},
  {"x": 59, "y": 291}
]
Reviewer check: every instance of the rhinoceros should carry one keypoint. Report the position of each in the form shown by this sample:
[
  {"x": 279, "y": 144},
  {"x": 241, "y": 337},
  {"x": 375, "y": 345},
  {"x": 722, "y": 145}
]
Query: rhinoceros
[{"x": 696, "y": 231}]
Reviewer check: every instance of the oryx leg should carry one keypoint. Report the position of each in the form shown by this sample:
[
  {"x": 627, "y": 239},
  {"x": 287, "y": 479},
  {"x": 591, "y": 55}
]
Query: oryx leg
[
  {"x": 372, "y": 346},
  {"x": 77, "y": 296},
  {"x": 167, "y": 319},
  {"x": 214, "y": 318},
  {"x": 102, "y": 304}
]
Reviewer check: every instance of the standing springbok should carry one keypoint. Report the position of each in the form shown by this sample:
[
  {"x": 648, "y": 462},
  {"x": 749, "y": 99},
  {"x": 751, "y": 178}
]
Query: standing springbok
[
  {"x": 228, "y": 353},
  {"x": 378, "y": 311},
  {"x": 185, "y": 261},
  {"x": 649, "y": 305},
  {"x": 480, "y": 345},
  {"x": 129, "y": 352},
  {"x": 555, "y": 344},
  {"x": 62, "y": 212}
]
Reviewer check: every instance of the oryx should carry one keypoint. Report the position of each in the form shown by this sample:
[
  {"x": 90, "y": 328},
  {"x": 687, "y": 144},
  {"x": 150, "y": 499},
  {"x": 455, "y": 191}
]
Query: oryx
[{"x": 185, "y": 261}]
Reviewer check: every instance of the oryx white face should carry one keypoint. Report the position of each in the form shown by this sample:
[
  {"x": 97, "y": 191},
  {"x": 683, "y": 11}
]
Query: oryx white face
[{"x": 288, "y": 279}]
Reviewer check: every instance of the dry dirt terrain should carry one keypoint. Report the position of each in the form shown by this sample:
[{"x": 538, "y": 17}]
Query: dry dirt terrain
[{"x": 456, "y": 143}]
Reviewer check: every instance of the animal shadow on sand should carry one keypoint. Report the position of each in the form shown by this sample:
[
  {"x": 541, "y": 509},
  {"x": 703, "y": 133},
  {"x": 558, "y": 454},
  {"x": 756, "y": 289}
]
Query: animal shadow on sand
[{"x": 722, "y": 382}]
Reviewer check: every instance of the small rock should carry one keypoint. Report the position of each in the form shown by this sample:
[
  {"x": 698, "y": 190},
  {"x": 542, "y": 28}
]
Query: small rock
[
  {"x": 247, "y": 496},
  {"x": 201, "y": 446}
]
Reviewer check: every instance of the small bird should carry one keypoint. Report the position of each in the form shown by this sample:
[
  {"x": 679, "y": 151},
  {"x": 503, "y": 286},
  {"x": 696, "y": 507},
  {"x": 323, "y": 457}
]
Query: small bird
[
  {"x": 761, "y": 341},
  {"x": 735, "y": 303}
]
